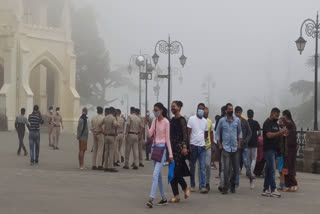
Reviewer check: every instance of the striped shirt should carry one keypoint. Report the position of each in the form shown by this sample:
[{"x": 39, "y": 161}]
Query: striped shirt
[{"x": 35, "y": 120}]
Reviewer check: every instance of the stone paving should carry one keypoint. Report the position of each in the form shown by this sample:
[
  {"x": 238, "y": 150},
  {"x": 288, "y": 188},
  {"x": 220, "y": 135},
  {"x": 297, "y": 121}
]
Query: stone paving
[{"x": 56, "y": 185}]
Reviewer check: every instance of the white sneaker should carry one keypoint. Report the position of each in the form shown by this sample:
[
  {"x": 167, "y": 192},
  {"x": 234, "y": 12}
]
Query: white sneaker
[
  {"x": 266, "y": 193},
  {"x": 275, "y": 194},
  {"x": 251, "y": 185}
]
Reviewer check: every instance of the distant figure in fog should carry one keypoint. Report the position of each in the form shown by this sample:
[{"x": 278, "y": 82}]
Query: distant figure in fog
[
  {"x": 35, "y": 120},
  {"x": 20, "y": 125},
  {"x": 82, "y": 136}
]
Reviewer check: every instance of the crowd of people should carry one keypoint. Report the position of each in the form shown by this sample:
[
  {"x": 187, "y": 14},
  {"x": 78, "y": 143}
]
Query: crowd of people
[{"x": 233, "y": 139}]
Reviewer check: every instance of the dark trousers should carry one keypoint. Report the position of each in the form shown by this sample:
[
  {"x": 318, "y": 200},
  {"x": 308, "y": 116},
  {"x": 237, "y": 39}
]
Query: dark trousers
[
  {"x": 34, "y": 143},
  {"x": 148, "y": 151},
  {"x": 270, "y": 170},
  {"x": 230, "y": 169},
  {"x": 21, "y": 132},
  {"x": 174, "y": 185}
]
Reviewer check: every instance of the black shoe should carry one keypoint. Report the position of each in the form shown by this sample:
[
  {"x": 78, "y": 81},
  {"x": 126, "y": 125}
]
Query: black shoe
[
  {"x": 94, "y": 168},
  {"x": 147, "y": 159},
  {"x": 106, "y": 170},
  {"x": 126, "y": 167},
  {"x": 208, "y": 187},
  {"x": 220, "y": 188},
  {"x": 113, "y": 170},
  {"x": 116, "y": 164},
  {"x": 141, "y": 165},
  {"x": 233, "y": 190},
  {"x": 135, "y": 168},
  {"x": 149, "y": 204},
  {"x": 122, "y": 159},
  {"x": 224, "y": 191},
  {"x": 32, "y": 163},
  {"x": 36, "y": 161},
  {"x": 162, "y": 202},
  {"x": 18, "y": 153},
  {"x": 100, "y": 168}
]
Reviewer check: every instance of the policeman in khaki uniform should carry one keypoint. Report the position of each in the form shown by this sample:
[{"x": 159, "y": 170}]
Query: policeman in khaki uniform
[
  {"x": 50, "y": 126},
  {"x": 119, "y": 139},
  {"x": 58, "y": 124},
  {"x": 98, "y": 139},
  {"x": 110, "y": 131},
  {"x": 141, "y": 141},
  {"x": 133, "y": 135}
]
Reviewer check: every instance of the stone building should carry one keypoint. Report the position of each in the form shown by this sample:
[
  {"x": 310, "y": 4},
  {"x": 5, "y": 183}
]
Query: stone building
[{"x": 37, "y": 61}]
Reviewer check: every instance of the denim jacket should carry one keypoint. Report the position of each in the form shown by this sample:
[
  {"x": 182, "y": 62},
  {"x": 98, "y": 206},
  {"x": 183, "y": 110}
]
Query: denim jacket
[{"x": 229, "y": 132}]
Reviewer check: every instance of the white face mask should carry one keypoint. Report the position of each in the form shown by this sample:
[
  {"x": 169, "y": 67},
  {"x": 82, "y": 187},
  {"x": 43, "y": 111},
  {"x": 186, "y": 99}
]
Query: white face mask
[
  {"x": 51, "y": 111},
  {"x": 58, "y": 112}
]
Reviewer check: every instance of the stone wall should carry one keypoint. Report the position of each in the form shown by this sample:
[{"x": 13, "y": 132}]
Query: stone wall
[{"x": 311, "y": 161}]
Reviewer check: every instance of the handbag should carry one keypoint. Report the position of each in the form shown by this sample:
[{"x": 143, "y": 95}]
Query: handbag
[{"x": 157, "y": 152}]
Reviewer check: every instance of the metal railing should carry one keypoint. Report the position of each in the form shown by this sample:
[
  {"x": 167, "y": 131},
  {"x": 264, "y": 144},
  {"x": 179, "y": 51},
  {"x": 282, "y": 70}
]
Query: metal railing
[{"x": 301, "y": 142}]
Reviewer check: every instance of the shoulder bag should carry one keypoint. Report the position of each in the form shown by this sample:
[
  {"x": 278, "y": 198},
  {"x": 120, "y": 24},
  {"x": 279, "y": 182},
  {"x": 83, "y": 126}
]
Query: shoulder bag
[{"x": 157, "y": 152}]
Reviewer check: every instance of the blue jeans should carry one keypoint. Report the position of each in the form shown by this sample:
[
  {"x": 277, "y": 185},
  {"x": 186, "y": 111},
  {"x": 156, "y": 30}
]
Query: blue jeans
[
  {"x": 208, "y": 166},
  {"x": 198, "y": 152},
  {"x": 270, "y": 170},
  {"x": 244, "y": 157},
  {"x": 157, "y": 178},
  {"x": 34, "y": 143}
]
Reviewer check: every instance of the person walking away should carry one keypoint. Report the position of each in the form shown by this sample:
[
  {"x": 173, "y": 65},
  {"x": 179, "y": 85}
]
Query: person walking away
[
  {"x": 290, "y": 158},
  {"x": 58, "y": 124},
  {"x": 141, "y": 141},
  {"x": 197, "y": 133},
  {"x": 229, "y": 135},
  {"x": 50, "y": 126},
  {"x": 179, "y": 146},
  {"x": 221, "y": 177},
  {"x": 243, "y": 156},
  {"x": 253, "y": 143},
  {"x": 82, "y": 136},
  {"x": 215, "y": 147},
  {"x": 271, "y": 140},
  {"x": 259, "y": 169},
  {"x": 283, "y": 150},
  {"x": 160, "y": 130},
  {"x": 133, "y": 135},
  {"x": 20, "y": 125},
  {"x": 110, "y": 131},
  {"x": 35, "y": 120},
  {"x": 119, "y": 139},
  {"x": 98, "y": 139},
  {"x": 209, "y": 143}
]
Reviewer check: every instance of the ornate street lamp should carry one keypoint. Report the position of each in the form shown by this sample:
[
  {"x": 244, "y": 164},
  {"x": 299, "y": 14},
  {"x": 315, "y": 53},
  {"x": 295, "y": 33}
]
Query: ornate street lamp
[
  {"x": 312, "y": 29},
  {"x": 170, "y": 48},
  {"x": 142, "y": 61}
]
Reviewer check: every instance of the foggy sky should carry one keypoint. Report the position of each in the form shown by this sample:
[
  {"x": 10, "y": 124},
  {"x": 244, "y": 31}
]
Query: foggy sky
[{"x": 248, "y": 45}]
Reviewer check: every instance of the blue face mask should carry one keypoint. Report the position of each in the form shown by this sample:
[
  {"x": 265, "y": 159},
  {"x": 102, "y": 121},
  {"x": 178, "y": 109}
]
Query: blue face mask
[{"x": 200, "y": 112}]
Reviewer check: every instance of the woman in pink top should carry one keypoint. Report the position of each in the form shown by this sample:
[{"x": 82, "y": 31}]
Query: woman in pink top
[{"x": 160, "y": 131}]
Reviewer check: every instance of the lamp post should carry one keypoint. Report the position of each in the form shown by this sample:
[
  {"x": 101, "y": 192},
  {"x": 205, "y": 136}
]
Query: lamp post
[
  {"x": 169, "y": 47},
  {"x": 142, "y": 61},
  {"x": 312, "y": 29}
]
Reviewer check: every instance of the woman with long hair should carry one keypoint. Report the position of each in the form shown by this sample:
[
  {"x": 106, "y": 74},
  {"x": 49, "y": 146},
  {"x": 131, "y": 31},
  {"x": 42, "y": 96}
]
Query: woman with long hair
[
  {"x": 290, "y": 158},
  {"x": 160, "y": 131},
  {"x": 179, "y": 145}
]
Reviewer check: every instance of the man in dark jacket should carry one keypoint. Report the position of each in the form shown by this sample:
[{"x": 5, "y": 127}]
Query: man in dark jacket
[{"x": 243, "y": 152}]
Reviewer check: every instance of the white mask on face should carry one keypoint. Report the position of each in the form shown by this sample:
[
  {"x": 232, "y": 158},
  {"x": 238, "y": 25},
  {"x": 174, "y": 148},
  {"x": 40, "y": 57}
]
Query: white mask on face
[
  {"x": 51, "y": 111},
  {"x": 58, "y": 112}
]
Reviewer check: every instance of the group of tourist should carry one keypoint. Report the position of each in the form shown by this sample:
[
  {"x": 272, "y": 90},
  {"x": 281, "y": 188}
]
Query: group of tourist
[{"x": 232, "y": 137}]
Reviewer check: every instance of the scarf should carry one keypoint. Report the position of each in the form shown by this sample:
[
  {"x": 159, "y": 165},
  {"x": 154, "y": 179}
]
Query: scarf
[{"x": 84, "y": 118}]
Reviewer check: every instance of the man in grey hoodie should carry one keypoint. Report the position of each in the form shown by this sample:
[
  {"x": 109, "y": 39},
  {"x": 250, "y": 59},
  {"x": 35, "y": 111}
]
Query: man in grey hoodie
[{"x": 243, "y": 152}]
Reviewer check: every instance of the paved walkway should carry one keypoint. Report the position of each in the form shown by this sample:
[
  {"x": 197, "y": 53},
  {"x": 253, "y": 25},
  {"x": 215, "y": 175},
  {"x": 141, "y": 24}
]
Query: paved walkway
[{"x": 57, "y": 186}]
